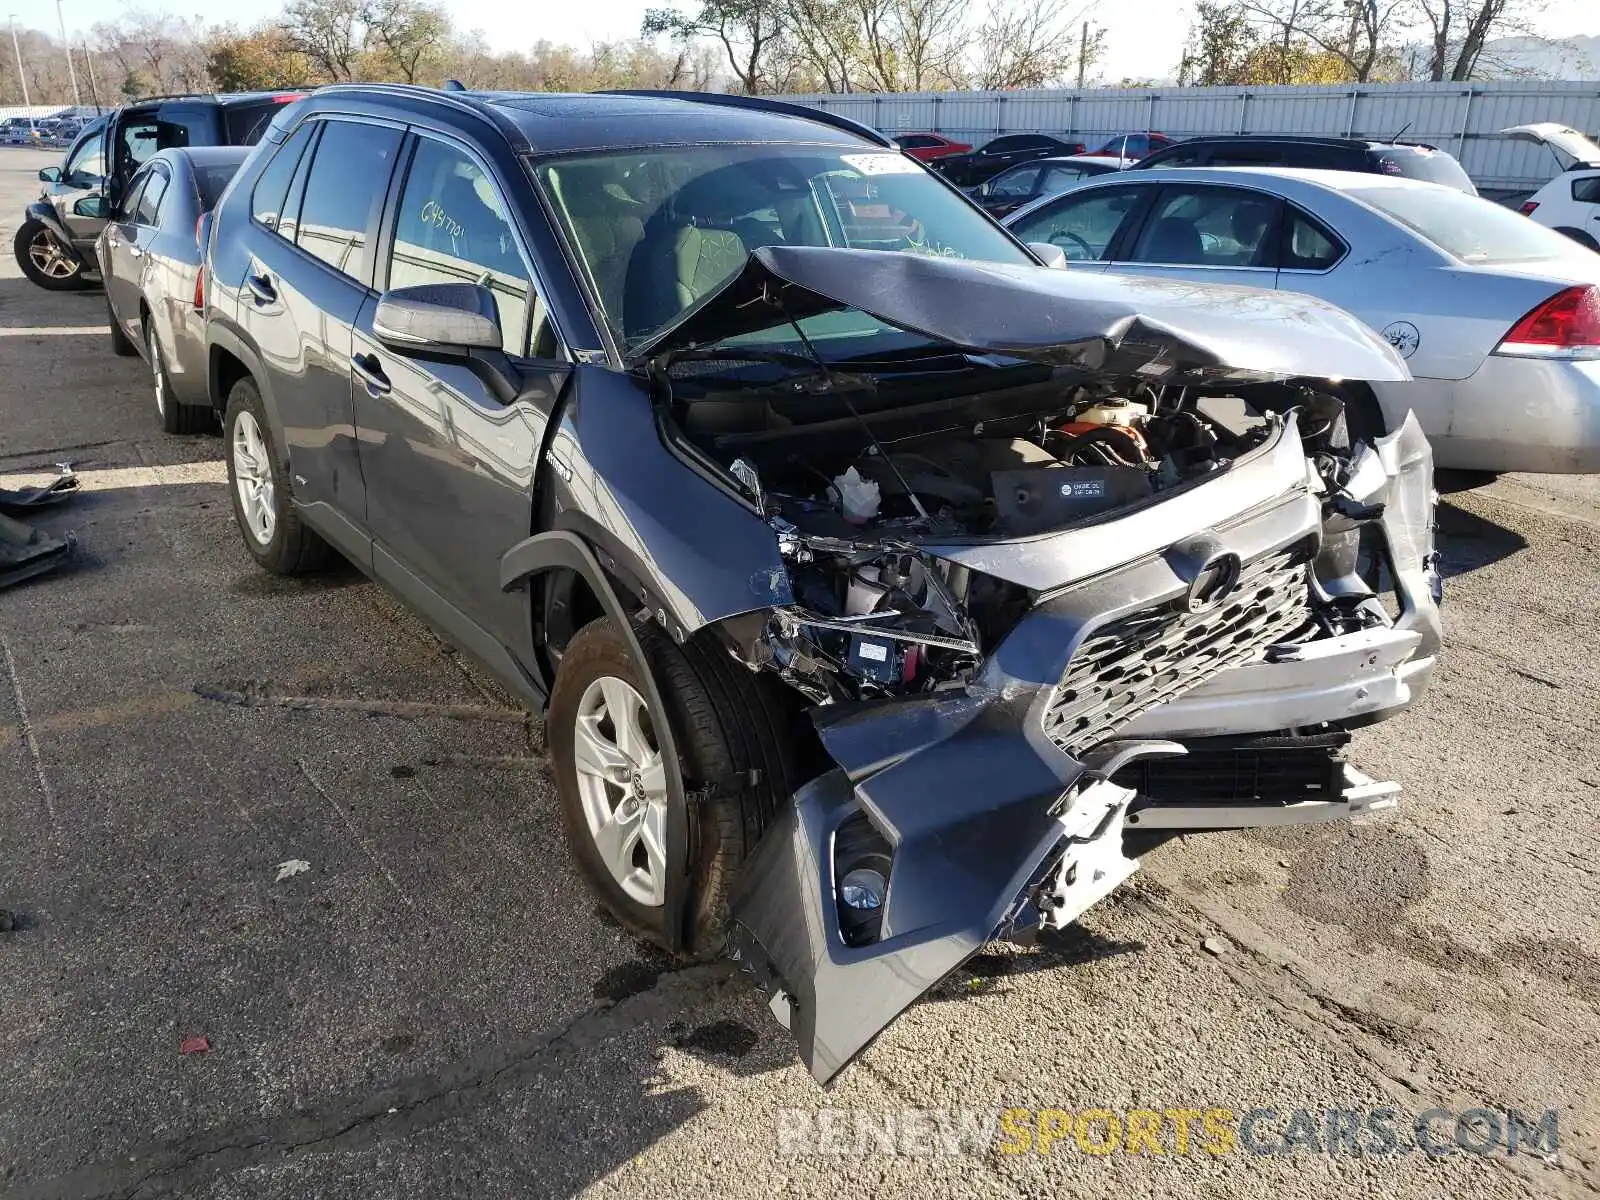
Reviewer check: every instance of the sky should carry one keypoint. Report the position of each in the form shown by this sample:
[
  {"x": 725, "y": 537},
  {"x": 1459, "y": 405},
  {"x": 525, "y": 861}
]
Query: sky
[{"x": 1144, "y": 38}]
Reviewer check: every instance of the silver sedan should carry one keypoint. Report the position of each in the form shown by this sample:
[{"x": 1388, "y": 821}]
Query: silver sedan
[{"x": 1498, "y": 318}]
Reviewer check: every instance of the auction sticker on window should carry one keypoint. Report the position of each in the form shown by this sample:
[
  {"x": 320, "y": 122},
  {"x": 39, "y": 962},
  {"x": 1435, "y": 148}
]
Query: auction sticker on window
[{"x": 881, "y": 164}]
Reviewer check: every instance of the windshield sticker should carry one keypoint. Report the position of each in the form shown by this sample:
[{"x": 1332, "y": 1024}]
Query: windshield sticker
[{"x": 881, "y": 164}]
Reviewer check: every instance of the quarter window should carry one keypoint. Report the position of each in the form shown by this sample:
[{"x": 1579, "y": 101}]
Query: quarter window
[
  {"x": 267, "y": 202},
  {"x": 1307, "y": 246},
  {"x": 1586, "y": 191},
  {"x": 453, "y": 228},
  {"x": 1015, "y": 184},
  {"x": 349, "y": 176},
  {"x": 1083, "y": 226},
  {"x": 1208, "y": 226}
]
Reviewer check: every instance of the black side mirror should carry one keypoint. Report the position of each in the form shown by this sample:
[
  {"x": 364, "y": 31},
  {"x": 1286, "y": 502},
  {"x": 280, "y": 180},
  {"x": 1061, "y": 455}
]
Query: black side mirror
[
  {"x": 437, "y": 318},
  {"x": 50, "y": 174},
  {"x": 92, "y": 206}
]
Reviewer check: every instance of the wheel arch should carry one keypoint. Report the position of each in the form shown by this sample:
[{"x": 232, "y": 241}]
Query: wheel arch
[
  {"x": 1582, "y": 237},
  {"x": 562, "y": 551}
]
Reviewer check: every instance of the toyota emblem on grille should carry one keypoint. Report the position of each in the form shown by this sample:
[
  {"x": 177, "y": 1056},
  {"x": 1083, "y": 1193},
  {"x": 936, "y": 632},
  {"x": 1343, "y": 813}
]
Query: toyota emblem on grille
[{"x": 1213, "y": 582}]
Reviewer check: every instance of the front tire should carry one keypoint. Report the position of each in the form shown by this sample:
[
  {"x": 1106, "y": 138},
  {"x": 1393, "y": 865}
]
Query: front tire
[
  {"x": 45, "y": 261},
  {"x": 615, "y": 789},
  {"x": 258, "y": 485}
]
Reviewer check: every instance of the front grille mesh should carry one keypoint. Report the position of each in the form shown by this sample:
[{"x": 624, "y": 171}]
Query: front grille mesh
[{"x": 1148, "y": 657}]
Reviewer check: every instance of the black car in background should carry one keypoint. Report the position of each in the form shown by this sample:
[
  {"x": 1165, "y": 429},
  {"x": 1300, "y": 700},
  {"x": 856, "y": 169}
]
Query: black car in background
[
  {"x": 55, "y": 246},
  {"x": 995, "y": 155},
  {"x": 1010, "y": 190},
  {"x": 1410, "y": 159},
  {"x": 150, "y": 255}
]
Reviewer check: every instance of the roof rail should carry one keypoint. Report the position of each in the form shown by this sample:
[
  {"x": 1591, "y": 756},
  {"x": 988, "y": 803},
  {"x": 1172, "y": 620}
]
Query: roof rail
[
  {"x": 462, "y": 101},
  {"x": 762, "y": 104}
]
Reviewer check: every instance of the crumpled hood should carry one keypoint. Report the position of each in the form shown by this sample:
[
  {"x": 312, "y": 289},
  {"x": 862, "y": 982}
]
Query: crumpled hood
[{"x": 1167, "y": 331}]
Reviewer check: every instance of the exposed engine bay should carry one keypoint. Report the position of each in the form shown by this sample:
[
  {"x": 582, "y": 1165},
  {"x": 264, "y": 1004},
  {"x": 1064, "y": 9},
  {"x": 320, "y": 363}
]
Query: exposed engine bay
[{"x": 860, "y": 474}]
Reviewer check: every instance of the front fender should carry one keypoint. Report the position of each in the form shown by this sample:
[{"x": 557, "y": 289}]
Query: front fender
[
  {"x": 559, "y": 549},
  {"x": 45, "y": 213}
]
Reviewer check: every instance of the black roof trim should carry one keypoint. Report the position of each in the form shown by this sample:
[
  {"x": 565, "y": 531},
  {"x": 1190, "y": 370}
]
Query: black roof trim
[
  {"x": 475, "y": 103},
  {"x": 1298, "y": 139},
  {"x": 762, "y": 104}
]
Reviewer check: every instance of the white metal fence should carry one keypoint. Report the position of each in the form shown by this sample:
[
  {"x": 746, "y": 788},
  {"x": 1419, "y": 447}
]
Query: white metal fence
[{"x": 1461, "y": 118}]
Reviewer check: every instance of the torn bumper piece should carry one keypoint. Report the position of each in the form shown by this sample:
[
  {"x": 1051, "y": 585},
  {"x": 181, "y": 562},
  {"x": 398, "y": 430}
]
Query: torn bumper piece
[
  {"x": 26, "y": 551},
  {"x": 976, "y": 801}
]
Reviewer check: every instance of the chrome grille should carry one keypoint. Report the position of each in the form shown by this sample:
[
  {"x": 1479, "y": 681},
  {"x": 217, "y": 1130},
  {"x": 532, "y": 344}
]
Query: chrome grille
[{"x": 1146, "y": 658}]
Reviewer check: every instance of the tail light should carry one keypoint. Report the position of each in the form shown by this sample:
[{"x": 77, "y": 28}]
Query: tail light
[
  {"x": 1565, "y": 326},
  {"x": 1528, "y": 207},
  {"x": 200, "y": 289}
]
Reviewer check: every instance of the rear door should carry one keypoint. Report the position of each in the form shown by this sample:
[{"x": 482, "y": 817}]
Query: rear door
[
  {"x": 122, "y": 264},
  {"x": 1086, "y": 224},
  {"x": 1205, "y": 232},
  {"x": 316, "y": 215}
]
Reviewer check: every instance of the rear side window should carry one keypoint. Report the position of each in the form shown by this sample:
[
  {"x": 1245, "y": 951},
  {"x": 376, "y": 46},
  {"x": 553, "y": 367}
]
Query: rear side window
[
  {"x": 1242, "y": 154},
  {"x": 1431, "y": 166},
  {"x": 349, "y": 176},
  {"x": 1586, "y": 191},
  {"x": 246, "y": 124},
  {"x": 1178, "y": 156},
  {"x": 149, "y": 205},
  {"x": 272, "y": 186}
]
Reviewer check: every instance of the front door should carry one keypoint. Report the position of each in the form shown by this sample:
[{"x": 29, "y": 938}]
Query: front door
[
  {"x": 1086, "y": 224},
  {"x": 449, "y": 464},
  {"x": 83, "y": 174}
]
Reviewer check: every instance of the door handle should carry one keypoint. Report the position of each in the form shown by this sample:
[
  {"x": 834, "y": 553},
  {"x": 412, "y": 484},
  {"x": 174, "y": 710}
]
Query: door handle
[
  {"x": 134, "y": 251},
  {"x": 260, "y": 287},
  {"x": 366, "y": 368}
]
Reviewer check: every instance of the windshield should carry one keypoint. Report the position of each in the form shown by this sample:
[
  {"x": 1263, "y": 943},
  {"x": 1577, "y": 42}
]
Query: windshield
[
  {"x": 1430, "y": 166},
  {"x": 1466, "y": 227},
  {"x": 659, "y": 230}
]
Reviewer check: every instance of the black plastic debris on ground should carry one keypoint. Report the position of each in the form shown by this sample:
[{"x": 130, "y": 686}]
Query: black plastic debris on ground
[{"x": 24, "y": 550}]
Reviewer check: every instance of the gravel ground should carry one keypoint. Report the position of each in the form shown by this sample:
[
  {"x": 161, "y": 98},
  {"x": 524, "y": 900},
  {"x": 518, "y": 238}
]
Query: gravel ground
[{"x": 434, "y": 1006}]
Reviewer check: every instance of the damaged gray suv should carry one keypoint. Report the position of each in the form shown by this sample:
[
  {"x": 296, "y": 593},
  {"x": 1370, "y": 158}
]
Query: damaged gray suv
[{"x": 886, "y": 591}]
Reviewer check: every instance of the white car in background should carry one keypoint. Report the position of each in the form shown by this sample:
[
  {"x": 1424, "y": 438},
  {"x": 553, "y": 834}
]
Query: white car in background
[
  {"x": 1497, "y": 318},
  {"x": 1569, "y": 203}
]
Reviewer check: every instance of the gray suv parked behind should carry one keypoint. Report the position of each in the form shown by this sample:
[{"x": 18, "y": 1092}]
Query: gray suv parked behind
[{"x": 886, "y": 592}]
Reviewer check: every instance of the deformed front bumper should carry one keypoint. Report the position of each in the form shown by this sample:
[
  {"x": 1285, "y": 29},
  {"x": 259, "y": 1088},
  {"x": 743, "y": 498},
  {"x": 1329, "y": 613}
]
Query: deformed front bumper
[{"x": 992, "y": 825}]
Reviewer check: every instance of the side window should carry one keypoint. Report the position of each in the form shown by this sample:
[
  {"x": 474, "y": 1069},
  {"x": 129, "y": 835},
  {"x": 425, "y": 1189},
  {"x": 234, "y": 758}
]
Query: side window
[
  {"x": 272, "y": 185},
  {"x": 1004, "y": 145},
  {"x": 1015, "y": 183},
  {"x": 1586, "y": 191},
  {"x": 125, "y": 208},
  {"x": 1241, "y": 154},
  {"x": 1084, "y": 226},
  {"x": 918, "y": 142},
  {"x": 1185, "y": 156},
  {"x": 149, "y": 202},
  {"x": 246, "y": 124},
  {"x": 1058, "y": 179},
  {"x": 1307, "y": 245},
  {"x": 349, "y": 175},
  {"x": 87, "y": 166},
  {"x": 452, "y": 228},
  {"x": 1208, "y": 226}
]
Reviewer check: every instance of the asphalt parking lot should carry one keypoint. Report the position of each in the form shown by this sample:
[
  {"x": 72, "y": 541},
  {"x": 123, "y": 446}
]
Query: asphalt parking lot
[{"x": 433, "y": 1006}]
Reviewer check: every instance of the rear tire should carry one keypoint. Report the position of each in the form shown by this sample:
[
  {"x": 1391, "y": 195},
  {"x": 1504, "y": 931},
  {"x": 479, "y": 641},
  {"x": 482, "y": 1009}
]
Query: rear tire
[
  {"x": 733, "y": 756},
  {"x": 45, "y": 261},
  {"x": 121, "y": 344},
  {"x": 175, "y": 417},
  {"x": 1579, "y": 236},
  {"x": 258, "y": 486}
]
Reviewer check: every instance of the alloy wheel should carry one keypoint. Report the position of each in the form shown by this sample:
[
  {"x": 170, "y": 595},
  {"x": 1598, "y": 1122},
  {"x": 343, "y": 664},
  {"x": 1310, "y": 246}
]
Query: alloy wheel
[
  {"x": 622, "y": 784},
  {"x": 46, "y": 255},
  {"x": 252, "y": 473},
  {"x": 160, "y": 376}
]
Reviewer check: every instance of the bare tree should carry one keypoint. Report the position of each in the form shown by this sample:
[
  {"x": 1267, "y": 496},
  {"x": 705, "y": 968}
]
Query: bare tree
[
  {"x": 913, "y": 45},
  {"x": 749, "y": 32},
  {"x": 1026, "y": 43},
  {"x": 329, "y": 33},
  {"x": 407, "y": 35},
  {"x": 1460, "y": 29}
]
